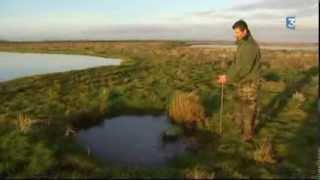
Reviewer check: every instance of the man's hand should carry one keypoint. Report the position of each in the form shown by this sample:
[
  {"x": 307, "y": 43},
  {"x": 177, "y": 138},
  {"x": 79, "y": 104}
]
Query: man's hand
[{"x": 222, "y": 79}]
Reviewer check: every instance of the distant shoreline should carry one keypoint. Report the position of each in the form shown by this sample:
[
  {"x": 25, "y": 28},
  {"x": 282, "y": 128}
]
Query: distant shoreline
[
  {"x": 191, "y": 43},
  {"x": 225, "y": 42},
  {"x": 267, "y": 47}
]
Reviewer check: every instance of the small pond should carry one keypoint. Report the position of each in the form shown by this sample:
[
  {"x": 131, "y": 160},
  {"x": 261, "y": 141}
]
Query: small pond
[
  {"x": 131, "y": 141},
  {"x": 16, "y": 65}
]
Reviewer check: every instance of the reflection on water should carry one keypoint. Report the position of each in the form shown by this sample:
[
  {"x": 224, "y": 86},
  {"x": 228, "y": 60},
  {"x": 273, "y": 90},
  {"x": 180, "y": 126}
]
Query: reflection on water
[
  {"x": 131, "y": 141},
  {"x": 15, "y": 65}
]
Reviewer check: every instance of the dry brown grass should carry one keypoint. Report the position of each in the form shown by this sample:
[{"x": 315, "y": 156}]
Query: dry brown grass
[
  {"x": 186, "y": 108},
  {"x": 265, "y": 151},
  {"x": 296, "y": 59},
  {"x": 273, "y": 86},
  {"x": 24, "y": 123},
  {"x": 198, "y": 172},
  {"x": 69, "y": 131}
]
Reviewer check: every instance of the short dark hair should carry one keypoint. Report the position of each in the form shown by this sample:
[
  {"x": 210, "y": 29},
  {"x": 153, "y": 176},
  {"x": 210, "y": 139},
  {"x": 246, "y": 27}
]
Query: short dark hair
[{"x": 241, "y": 24}]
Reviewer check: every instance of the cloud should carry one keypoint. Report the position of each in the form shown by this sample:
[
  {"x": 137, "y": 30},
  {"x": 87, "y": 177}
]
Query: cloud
[
  {"x": 263, "y": 11},
  {"x": 157, "y": 31},
  {"x": 266, "y": 19},
  {"x": 270, "y": 33},
  {"x": 276, "y": 5}
]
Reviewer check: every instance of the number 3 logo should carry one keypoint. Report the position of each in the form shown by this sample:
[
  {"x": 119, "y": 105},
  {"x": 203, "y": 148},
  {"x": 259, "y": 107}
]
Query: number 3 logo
[{"x": 291, "y": 22}]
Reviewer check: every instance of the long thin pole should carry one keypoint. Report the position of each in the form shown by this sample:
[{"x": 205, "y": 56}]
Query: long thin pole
[{"x": 221, "y": 108}]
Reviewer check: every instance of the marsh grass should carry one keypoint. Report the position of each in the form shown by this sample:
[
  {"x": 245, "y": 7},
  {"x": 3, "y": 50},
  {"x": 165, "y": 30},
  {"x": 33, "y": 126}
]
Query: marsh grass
[
  {"x": 198, "y": 173},
  {"x": 265, "y": 151},
  {"x": 24, "y": 123},
  {"x": 146, "y": 82},
  {"x": 187, "y": 109}
]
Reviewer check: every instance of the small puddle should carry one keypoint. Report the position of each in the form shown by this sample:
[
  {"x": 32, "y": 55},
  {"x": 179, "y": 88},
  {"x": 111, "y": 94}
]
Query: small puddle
[{"x": 131, "y": 141}]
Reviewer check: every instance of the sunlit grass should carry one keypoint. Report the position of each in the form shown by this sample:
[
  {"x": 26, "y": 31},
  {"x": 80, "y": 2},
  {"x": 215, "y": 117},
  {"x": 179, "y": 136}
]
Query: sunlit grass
[
  {"x": 147, "y": 82},
  {"x": 187, "y": 109}
]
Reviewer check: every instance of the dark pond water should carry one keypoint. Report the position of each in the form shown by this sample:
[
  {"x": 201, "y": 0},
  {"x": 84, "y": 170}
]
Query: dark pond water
[
  {"x": 131, "y": 141},
  {"x": 15, "y": 65}
]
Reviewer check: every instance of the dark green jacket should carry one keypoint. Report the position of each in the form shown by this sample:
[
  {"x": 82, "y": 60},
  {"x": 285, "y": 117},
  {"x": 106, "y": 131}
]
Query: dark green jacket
[{"x": 246, "y": 65}]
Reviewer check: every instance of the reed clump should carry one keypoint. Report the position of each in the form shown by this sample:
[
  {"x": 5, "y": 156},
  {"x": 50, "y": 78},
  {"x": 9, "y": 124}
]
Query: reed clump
[{"x": 186, "y": 109}]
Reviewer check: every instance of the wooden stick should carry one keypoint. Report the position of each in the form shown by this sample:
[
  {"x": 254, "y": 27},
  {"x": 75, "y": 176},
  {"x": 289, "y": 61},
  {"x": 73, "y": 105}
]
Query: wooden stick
[{"x": 221, "y": 108}]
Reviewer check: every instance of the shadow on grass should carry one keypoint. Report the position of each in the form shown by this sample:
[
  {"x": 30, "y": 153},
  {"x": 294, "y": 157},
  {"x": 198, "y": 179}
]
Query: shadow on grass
[
  {"x": 296, "y": 139},
  {"x": 280, "y": 101},
  {"x": 301, "y": 158}
]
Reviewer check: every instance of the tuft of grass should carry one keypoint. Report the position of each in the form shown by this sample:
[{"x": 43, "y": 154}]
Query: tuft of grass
[
  {"x": 298, "y": 96},
  {"x": 24, "y": 123},
  {"x": 198, "y": 172},
  {"x": 265, "y": 151},
  {"x": 186, "y": 108}
]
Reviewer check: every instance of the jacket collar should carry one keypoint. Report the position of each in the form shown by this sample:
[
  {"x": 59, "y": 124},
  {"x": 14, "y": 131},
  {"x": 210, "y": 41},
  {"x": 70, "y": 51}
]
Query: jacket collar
[{"x": 245, "y": 39}]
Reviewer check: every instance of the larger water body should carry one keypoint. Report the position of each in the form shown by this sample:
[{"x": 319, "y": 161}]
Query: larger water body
[
  {"x": 125, "y": 140},
  {"x": 16, "y": 65}
]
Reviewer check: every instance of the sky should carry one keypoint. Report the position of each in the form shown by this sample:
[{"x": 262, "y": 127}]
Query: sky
[{"x": 37, "y": 20}]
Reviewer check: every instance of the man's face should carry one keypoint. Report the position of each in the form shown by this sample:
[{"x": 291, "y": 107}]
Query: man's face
[{"x": 239, "y": 34}]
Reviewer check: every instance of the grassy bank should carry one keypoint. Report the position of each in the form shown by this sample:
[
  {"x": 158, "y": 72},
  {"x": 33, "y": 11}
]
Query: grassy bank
[{"x": 145, "y": 83}]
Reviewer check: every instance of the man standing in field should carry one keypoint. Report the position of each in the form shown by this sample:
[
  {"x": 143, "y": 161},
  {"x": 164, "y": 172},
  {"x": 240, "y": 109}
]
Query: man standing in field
[{"x": 244, "y": 73}]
